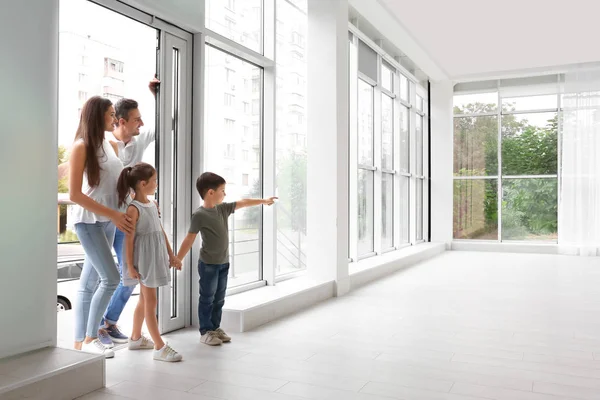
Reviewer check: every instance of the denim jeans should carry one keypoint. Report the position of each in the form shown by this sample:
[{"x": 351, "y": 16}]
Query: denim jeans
[
  {"x": 123, "y": 293},
  {"x": 213, "y": 284},
  {"x": 99, "y": 277}
]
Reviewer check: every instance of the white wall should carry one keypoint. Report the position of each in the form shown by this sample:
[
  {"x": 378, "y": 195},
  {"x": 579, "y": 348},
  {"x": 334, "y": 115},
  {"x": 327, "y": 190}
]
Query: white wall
[
  {"x": 441, "y": 161},
  {"x": 28, "y": 161},
  {"x": 327, "y": 116}
]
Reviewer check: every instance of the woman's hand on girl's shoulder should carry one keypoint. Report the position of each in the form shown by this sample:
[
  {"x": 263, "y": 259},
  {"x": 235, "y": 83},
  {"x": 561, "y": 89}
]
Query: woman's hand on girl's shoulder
[{"x": 124, "y": 222}]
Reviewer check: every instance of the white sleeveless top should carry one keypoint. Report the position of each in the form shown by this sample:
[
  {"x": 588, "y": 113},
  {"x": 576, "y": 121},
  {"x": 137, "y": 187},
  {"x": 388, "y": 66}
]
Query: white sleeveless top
[{"x": 106, "y": 191}]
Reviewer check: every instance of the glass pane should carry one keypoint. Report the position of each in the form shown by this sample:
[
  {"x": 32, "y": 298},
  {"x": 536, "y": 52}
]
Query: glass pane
[
  {"x": 419, "y": 103},
  {"x": 387, "y": 132},
  {"x": 365, "y": 211},
  {"x": 476, "y": 146},
  {"x": 234, "y": 153},
  {"x": 238, "y": 20},
  {"x": 530, "y": 209},
  {"x": 419, "y": 135},
  {"x": 365, "y": 123},
  {"x": 530, "y": 103},
  {"x": 387, "y": 77},
  {"x": 291, "y": 130},
  {"x": 476, "y": 209},
  {"x": 419, "y": 184},
  {"x": 301, "y": 4},
  {"x": 387, "y": 211},
  {"x": 404, "y": 140},
  {"x": 530, "y": 144},
  {"x": 476, "y": 103},
  {"x": 404, "y": 209},
  {"x": 404, "y": 95}
]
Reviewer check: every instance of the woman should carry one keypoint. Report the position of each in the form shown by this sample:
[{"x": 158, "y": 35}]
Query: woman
[{"x": 93, "y": 175}]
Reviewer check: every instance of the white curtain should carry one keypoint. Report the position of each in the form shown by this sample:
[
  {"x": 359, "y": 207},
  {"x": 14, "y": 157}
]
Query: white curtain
[{"x": 579, "y": 200}]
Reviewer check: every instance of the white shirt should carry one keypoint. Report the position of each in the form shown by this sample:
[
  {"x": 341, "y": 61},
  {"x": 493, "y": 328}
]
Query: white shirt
[
  {"x": 132, "y": 153},
  {"x": 106, "y": 191}
]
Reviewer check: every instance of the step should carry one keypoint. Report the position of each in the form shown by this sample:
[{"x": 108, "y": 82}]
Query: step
[{"x": 50, "y": 373}]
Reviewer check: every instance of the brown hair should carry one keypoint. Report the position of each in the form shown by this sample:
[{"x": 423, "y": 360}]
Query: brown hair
[
  {"x": 122, "y": 108},
  {"x": 208, "y": 181},
  {"x": 91, "y": 130},
  {"x": 130, "y": 177}
]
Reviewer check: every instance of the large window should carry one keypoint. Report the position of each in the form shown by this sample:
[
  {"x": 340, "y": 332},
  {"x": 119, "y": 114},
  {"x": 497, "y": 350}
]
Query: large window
[
  {"x": 256, "y": 136},
  {"x": 238, "y": 20},
  {"x": 227, "y": 151},
  {"x": 366, "y": 169},
  {"x": 387, "y": 153},
  {"x": 290, "y": 137},
  {"x": 506, "y": 165}
]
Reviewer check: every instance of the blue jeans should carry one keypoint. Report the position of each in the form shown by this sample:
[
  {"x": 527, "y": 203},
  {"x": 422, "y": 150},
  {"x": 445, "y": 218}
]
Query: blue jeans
[
  {"x": 213, "y": 284},
  {"x": 99, "y": 277},
  {"x": 123, "y": 293}
]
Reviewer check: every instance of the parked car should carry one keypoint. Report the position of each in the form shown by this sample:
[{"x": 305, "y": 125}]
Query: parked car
[{"x": 69, "y": 266}]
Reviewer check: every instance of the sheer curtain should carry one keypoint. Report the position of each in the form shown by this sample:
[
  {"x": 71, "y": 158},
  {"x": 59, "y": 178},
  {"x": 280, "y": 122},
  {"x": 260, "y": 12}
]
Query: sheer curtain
[{"x": 579, "y": 204}]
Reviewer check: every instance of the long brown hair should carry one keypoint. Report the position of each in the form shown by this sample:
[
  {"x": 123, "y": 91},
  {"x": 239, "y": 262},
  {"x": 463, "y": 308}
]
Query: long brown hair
[
  {"x": 91, "y": 129},
  {"x": 131, "y": 176}
]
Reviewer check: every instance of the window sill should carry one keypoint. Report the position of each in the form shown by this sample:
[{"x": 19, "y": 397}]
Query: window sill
[
  {"x": 366, "y": 271},
  {"x": 505, "y": 247},
  {"x": 399, "y": 255},
  {"x": 269, "y": 294}
]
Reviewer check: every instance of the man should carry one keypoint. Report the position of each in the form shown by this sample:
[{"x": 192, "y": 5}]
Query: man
[{"x": 131, "y": 144}]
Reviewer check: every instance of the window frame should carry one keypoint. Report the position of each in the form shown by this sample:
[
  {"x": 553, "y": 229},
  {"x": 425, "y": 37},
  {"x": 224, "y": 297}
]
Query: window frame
[
  {"x": 405, "y": 182},
  {"x": 499, "y": 113}
]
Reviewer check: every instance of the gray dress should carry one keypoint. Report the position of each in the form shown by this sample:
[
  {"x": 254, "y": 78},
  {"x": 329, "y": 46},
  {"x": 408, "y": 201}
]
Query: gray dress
[{"x": 150, "y": 255}]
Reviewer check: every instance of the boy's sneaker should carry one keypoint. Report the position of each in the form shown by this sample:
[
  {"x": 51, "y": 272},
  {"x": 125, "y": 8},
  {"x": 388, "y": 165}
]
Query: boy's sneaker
[
  {"x": 95, "y": 347},
  {"x": 116, "y": 335},
  {"x": 225, "y": 338},
  {"x": 211, "y": 338},
  {"x": 167, "y": 354},
  {"x": 105, "y": 339},
  {"x": 143, "y": 343}
]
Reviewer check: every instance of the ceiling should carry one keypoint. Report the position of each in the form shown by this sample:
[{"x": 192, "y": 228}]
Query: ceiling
[{"x": 468, "y": 38}]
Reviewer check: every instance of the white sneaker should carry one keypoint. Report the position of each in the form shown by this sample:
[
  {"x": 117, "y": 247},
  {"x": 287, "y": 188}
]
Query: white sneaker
[
  {"x": 225, "y": 338},
  {"x": 143, "y": 343},
  {"x": 96, "y": 347},
  {"x": 211, "y": 338},
  {"x": 167, "y": 354}
]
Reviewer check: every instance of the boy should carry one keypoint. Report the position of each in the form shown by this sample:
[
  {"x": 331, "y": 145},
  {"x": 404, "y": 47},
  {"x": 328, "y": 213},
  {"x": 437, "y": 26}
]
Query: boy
[{"x": 213, "y": 266}]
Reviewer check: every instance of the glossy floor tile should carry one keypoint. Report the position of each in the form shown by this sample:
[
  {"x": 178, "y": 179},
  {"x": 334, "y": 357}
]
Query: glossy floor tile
[{"x": 462, "y": 326}]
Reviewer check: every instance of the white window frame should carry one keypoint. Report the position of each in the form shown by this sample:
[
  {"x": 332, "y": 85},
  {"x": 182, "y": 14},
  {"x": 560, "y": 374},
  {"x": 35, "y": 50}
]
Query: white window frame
[
  {"x": 415, "y": 87},
  {"x": 499, "y": 176}
]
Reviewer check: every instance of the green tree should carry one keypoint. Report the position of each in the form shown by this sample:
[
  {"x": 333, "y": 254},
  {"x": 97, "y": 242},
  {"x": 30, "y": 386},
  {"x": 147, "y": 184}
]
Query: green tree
[
  {"x": 62, "y": 158},
  {"x": 529, "y": 206},
  {"x": 253, "y": 214},
  {"x": 291, "y": 184}
]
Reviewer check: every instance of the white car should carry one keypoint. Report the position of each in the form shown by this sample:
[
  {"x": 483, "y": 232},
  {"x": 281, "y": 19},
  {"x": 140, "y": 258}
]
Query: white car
[{"x": 69, "y": 265}]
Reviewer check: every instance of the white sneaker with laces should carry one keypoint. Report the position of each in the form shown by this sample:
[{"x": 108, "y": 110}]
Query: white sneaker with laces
[
  {"x": 167, "y": 354},
  {"x": 143, "y": 343},
  {"x": 96, "y": 347},
  {"x": 211, "y": 338},
  {"x": 225, "y": 338}
]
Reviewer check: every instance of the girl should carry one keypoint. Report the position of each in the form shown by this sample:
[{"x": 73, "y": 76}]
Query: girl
[
  {"x": 147, "y": 257},
  {"x": 93, "y": 174}
]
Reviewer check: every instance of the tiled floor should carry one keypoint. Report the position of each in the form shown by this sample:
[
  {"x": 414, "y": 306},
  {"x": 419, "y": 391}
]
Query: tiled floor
[{"x": 461, "y": 326}]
